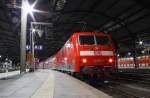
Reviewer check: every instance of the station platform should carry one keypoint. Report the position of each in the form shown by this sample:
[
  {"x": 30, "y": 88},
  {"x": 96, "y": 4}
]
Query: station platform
[
  {"x": 47, "y": 84},
  {"x": 7, "y": 75}
]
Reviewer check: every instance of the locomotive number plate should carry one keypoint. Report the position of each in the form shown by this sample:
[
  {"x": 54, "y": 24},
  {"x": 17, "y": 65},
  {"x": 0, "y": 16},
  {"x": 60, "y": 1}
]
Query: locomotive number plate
[{"x": 99, "y": 60}]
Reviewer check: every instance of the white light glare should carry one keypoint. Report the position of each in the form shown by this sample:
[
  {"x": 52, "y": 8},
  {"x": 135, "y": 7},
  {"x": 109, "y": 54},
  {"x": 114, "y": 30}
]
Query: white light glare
[
  {"x": 84, "y": 60},
  {"x": 27, "y": 7},
  {"x": 118, "y": 55},
  {"x": 46, "y": 62},
  {"x": 140, "y": 42},
  {"x": 0, "y": 56},
  {"x": 40, "y": 47},
  {"x": 110, "y": 60},
  {"x": 143, "y": 51},
  {"x": 36, "y": 47},
  {"x": 65, "y": 58},
  {"x": 27, "y": 47},
  {"x": 129, "y": 53},
  {"x": 33, "y": 30}
]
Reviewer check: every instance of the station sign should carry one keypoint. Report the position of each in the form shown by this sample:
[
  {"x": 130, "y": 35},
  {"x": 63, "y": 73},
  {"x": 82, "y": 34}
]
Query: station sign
[{"x": 36, "y": 47}]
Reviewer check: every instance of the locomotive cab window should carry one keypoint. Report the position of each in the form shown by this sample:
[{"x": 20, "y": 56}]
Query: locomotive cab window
[
  {"x": 86, "y": 40},
  {"x": 103, "y": 40}
]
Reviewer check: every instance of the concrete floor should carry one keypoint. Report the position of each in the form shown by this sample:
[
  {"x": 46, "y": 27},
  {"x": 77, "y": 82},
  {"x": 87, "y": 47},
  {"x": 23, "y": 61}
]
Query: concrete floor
[{"x": 47, "y": 84}]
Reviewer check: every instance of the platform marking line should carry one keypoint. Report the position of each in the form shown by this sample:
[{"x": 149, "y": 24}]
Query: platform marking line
[{"x": 47, "y": 88}]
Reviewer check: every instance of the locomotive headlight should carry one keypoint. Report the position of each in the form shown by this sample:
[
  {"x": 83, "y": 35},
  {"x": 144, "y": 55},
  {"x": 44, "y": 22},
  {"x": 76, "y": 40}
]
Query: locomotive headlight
[
  {"x": 84, "y": 60},
  {"x": 110, "y": 60}
]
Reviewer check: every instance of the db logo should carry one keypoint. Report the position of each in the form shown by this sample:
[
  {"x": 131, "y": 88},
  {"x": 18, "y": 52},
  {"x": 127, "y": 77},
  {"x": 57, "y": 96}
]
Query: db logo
[{"x": 97, "y": 52}]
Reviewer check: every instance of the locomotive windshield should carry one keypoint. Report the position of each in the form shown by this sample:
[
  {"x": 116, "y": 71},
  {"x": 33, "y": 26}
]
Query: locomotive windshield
[
  {"x": 93, "y": 40},
  {"x": 102, "y": 40},
  {"x": 86, "y": 39}
]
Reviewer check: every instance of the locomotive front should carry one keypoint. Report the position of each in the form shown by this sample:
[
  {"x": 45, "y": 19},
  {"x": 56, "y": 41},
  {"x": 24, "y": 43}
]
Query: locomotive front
[{"x": 96, "y": 52}]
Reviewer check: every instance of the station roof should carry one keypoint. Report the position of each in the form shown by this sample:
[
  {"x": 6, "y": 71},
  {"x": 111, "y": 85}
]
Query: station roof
[{"x": 127, "y": 21}]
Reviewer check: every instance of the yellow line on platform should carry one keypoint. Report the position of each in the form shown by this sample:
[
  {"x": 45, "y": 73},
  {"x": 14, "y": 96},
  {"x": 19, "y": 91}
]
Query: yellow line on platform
[{"x": 47, "y": 88}]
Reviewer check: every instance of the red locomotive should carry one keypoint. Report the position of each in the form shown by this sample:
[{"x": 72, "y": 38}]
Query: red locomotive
[{"x": 86, "y": 51}]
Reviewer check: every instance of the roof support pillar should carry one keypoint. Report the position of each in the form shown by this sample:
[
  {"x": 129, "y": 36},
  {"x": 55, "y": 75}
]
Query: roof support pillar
[
  {"x": 23, "y": 39},
  {"x": 135, "y": 53}
]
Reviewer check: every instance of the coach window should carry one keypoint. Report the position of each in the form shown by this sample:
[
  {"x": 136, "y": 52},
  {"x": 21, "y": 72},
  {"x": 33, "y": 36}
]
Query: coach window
[{"x": 86, "y": 39}]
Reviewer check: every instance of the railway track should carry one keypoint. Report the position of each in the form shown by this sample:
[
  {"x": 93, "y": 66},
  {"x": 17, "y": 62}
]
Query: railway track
[
  {"x": 133, "y": 76},
  {"x": 117, "y": 92},
  {"x": 139, "y": 80},
  {"x": 123, "y": 88}
]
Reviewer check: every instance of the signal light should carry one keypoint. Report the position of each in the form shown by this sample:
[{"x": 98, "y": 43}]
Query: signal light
[
  {"x": 110, "y": 60},
  {"x": 84, "y": 60}
]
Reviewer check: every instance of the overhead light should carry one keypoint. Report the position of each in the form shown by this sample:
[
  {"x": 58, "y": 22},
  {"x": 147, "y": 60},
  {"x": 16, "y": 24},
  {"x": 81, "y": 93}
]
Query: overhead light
[
  {"x": 143, "y": 51},
  {"x": 40, "y": 47},
  {"x": 118, "y": 55},
  {"x": 29, "y": 9},
  {"x": 33, "y": 30},
  {"x": 0, "y": 56},
  {"x": 140, "y": 42},
  {"x": 129, "y": 53},
  {"x": 36, "y": 47},
  {"x": 60, "y": 4}
]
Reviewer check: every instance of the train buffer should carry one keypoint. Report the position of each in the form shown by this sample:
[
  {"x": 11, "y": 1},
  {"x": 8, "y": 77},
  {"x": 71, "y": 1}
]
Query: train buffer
[{"x": 47, "y": 84}]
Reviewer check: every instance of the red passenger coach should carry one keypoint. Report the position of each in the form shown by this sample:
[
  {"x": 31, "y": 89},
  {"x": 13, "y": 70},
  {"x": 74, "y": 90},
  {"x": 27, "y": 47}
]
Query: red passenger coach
[{"x": 86, "y": 51}]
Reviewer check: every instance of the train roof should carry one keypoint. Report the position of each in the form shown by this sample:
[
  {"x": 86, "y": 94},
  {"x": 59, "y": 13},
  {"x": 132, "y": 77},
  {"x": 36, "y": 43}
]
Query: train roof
[{"x": 99, "y": 33}]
